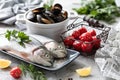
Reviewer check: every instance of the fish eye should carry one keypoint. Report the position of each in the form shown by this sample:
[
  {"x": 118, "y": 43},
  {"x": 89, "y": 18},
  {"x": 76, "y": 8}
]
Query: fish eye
[
  {"x": 46, "y": 55},
  {"x": 60, "y": 46}
]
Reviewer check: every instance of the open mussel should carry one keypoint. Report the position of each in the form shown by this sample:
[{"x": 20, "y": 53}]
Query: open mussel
[
  {"x": 56, "y": 9},
  {"x": 31, "y": 16},
  {"x": 39, "y": 10},
  {"x": 45, "y": 18},
  {"x": 42, "y": 15}
]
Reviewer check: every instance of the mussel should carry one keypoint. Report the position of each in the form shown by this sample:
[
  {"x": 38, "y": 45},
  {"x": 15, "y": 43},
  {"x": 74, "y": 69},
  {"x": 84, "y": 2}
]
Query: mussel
[
  {"x": 31, "y": 16},
  {"x": 42, "y": 15},
  {"x": 39, "y": 10}
]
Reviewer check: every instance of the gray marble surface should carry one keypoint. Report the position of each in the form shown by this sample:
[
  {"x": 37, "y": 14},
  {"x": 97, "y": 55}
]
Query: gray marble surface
[{"x": 64, "y": 73}]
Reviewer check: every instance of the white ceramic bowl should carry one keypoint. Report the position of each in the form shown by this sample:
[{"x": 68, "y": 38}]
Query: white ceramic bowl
[{"x": 49, "y": 30}]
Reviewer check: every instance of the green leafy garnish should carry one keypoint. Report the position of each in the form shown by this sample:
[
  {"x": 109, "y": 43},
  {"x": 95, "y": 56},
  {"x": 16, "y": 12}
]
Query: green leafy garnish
[
  {"x": 18, "y": 36},
  {"x": 105, "y": 10},
  {"x": 34, "y": 73},
  {"x": 48, "y": 4}
]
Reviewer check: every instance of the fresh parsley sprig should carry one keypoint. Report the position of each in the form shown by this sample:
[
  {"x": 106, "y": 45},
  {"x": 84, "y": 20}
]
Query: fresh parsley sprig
[
  {"x": 33, "y": 72},
  {"x": 105, "y": 10},
  {"x": 48, "y": 4},
  {"x": 18, "y": 36}
]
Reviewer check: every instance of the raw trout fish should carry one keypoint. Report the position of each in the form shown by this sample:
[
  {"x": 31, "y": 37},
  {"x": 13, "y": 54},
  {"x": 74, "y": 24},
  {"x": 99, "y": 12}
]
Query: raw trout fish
[{"x": 42, "y": 53}]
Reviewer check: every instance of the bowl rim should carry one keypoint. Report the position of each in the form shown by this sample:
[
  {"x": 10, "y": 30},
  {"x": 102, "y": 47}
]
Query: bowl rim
[{"x": 44, "y": 25}]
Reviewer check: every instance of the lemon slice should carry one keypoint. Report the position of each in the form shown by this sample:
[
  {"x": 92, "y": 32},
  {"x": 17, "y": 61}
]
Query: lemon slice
[
  {"x": 84, "y": 72},
  {"x": 4, "y": 63}
]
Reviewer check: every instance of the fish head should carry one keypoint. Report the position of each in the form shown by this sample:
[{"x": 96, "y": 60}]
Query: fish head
[
  {"x": 58, "y": 49},
  {"x": 43, "y": 56}
]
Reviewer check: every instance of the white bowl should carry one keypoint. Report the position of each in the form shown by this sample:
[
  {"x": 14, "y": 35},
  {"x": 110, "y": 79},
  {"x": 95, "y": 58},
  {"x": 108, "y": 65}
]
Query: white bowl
[{"x": 49, "y": 30}]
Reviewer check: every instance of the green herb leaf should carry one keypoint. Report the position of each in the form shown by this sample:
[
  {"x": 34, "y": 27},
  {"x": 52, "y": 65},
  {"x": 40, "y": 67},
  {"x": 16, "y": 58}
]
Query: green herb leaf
[
  {"x": 105, "y": 10},
  {"x": 33, "y": 72},
  {"x": 18, "y": 36},
  {"x": 48, "y": 4}
]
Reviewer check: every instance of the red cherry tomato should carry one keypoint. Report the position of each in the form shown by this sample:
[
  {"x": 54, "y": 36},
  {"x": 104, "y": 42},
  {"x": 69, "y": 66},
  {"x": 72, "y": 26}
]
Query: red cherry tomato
[
  {"x": 68, "y": 41},
  {"x": 76, "y": 34},
  {"x": 87, "y": 47},
  {"x": 82, "y": 30},
  {"x": 77, "y": 45},
  {"x": 15, "y": 72},
  {"x": 86, "y": 37},
  {"x": 92, "y": 32},
  {"x": 96, "y": 42}
]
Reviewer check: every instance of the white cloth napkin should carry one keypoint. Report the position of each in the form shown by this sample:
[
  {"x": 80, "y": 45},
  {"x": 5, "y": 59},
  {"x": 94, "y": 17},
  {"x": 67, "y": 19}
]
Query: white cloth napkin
[
  {"x": 108, "y": 57},
  {"x": 10, "y": 8}
]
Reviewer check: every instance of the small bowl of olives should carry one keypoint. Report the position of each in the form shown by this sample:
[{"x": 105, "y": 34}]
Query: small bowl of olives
[{"x": 50, "y": 23}]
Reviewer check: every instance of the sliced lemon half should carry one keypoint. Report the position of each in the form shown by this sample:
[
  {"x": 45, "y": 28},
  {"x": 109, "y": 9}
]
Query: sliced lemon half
[
  {"x": 4, "y": 63},
  {"x": 84, "y": 72}
]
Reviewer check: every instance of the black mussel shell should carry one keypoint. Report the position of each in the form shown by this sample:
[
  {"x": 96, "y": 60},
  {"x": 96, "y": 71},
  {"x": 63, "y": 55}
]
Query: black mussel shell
[
  {"x": 58, "y": 18},
  {"x": 32, "y": 17},
  {"x": 39, "y": 10},
  {"x": 58, "y": 5},
  {"x": 56, "y": 10},
  {"x": 38, "y": 18},
  {"x": 45, "y": 21},
  {"x": 49, "y": 13},
  {"x": 65, "y": 14},
  {"x": 54, "y": 15},
  {"x": 48, "y": 17}
]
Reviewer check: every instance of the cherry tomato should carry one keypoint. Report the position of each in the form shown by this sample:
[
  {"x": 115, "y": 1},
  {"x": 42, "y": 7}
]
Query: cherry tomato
[
  {"x": 96, "y": 42},
  {"x": 15, "y": 72},
  {"x": 86, "y": 37},
  {"x": 87, "y": 47},
  {"x": 68, "y": 41},
  {"x": 76, "y": 34},
  {"x": 77, "y": 45},
  {"x": 82, "y": 30},
  {"x": 92, "y": 32}
]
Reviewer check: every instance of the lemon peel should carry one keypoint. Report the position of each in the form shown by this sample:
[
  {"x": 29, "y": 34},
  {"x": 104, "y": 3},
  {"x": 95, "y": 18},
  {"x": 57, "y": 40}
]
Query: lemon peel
[
  {"x": 84, "y": 72},
  {"x": 4, "y": 63}
]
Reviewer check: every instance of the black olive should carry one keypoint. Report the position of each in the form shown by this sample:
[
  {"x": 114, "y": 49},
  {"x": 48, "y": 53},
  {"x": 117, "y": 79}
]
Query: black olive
[{"x": 39, "y": 10}]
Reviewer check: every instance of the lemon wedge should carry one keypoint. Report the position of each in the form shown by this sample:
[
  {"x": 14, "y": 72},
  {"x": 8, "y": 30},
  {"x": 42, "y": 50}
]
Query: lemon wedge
[
  {"x": 84, "y": 72},
  {"x": 4, "y": 63}
]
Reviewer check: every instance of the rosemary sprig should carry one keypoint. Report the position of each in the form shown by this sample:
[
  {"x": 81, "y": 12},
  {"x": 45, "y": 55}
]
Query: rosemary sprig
[
  {"x": 18, "y": 36},
  {"x": 33, "y": 72}
]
